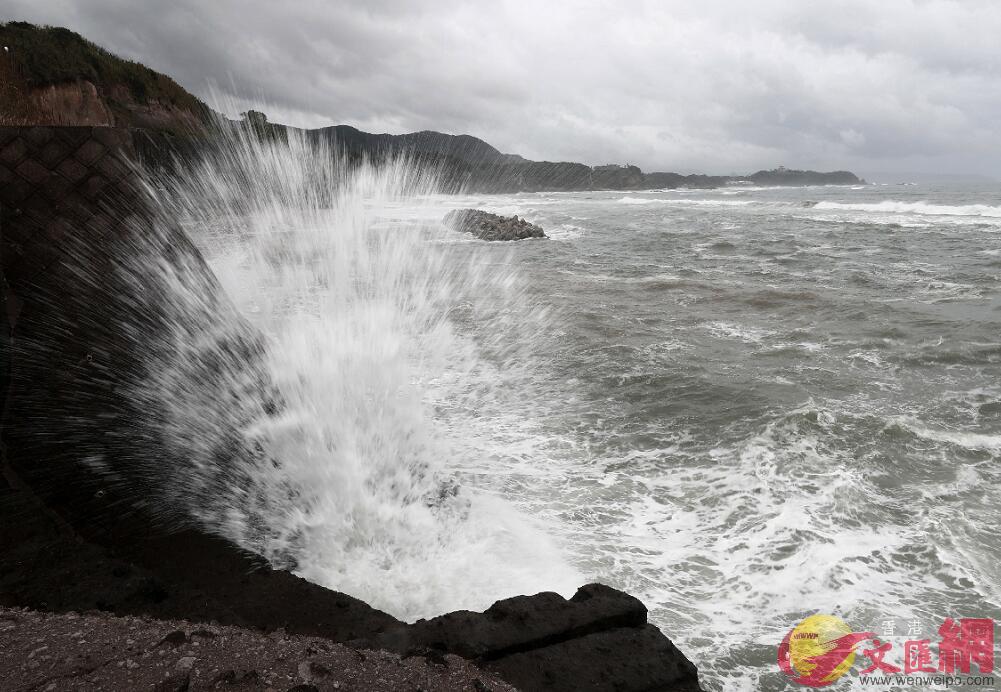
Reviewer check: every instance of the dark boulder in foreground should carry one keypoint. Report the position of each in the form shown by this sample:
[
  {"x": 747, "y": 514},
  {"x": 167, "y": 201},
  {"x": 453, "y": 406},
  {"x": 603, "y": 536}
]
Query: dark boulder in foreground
[
  {"x": 487, "y": 226},
  {"x": 597, "y": 640}
]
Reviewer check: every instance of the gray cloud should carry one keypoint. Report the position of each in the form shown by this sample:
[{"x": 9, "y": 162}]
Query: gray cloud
[{"x": 716, "y": 86}]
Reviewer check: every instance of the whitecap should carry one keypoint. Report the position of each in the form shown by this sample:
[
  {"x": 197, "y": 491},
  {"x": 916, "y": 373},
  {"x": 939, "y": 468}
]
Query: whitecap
[{"x": 922, "y": 208}]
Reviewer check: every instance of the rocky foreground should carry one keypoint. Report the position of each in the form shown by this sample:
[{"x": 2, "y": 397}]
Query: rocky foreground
[
  {"x": 130, "y": 606},
  {"x": 74, "y": 652}
]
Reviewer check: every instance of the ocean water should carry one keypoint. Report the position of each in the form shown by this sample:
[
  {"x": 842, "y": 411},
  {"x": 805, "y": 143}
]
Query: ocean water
[
  {"x": 744, "y": 406},
  {"x": 764, "y": 404}
]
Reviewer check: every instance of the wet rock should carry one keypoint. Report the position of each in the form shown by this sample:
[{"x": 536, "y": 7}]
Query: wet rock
[
  {"x": 597, "y": 640},
  {"x": 524, "y": 622},
  {"x": 487, "y": 226},
  {"x": 627, "y": 658}
]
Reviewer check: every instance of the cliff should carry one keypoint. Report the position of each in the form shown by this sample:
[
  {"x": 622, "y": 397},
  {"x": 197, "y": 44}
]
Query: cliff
[
  {"x": 53, "y": 76},
  {"x": 85, "y": 530}
]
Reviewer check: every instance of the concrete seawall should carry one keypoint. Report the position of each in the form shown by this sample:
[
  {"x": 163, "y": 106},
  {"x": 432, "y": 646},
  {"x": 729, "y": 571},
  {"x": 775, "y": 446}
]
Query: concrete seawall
[{"x": 57, "y": 181}]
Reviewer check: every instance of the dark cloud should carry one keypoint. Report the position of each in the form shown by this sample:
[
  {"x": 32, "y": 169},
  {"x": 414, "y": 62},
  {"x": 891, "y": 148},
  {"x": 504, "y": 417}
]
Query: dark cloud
[{"x": 711, "y": 86}]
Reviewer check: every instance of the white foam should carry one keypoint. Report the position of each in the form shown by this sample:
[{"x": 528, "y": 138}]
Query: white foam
[
  {"x": 689, "y": 202},
  {"x": 972, "y": 441},
  {"x": 921, "y": 208},
  {"x": 345, "y": 271},
  {"x": 729, "y": 330},
  {"x": 565, "y": 231}
]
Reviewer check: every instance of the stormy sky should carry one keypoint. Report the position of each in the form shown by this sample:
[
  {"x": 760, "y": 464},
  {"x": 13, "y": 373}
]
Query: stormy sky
[{"x": 710, "y": 86}]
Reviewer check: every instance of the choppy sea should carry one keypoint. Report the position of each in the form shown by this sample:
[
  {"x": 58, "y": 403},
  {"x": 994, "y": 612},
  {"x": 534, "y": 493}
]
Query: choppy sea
[
  {"x": 760, "y": 404},
  {"x": 745, "y": 406}
]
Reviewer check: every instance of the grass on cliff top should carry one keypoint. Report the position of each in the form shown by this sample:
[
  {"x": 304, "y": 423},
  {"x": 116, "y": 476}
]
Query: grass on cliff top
[{"x": 46, "y": 55}]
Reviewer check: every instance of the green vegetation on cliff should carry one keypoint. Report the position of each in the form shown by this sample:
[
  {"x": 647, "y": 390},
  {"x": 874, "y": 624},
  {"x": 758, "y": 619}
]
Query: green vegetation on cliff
[
  {"x": 50, "y": 55},
  {"x": 54, "y": 76}
]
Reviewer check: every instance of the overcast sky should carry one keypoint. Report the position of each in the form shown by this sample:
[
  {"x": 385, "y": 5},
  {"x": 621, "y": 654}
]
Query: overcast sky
[{"x": 707, "y": 86}]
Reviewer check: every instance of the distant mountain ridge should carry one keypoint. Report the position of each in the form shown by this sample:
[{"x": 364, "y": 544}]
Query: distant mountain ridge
[
  {"x": 465, "y": 147},
  {"x": 55, "y": 76}
]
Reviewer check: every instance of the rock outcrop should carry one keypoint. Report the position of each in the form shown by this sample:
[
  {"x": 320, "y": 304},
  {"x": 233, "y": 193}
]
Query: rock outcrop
[
  {"x": 82, "y": 531},
  {"x": 615, "y": 177},
  {"x": 546, "y": 642},
  {"x": 487, "y": 226},
  {"x": 787, "y": 177}
]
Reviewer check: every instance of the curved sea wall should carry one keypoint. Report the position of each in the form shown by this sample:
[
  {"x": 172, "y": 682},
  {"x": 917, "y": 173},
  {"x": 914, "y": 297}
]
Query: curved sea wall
[{"x": 90, "y": 533}]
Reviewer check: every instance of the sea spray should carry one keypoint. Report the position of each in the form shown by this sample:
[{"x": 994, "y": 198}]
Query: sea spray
[{"x": 305, "y": 408}]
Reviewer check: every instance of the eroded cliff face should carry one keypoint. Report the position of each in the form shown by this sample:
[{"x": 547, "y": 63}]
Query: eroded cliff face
[
  {"x": 70, "y": 104},
  {"x": 82, "y": 103},
  {"x": 152, "y": 114}
]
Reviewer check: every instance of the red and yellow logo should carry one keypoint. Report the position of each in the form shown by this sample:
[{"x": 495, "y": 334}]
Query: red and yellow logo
[{"x": 819, "y": 650}]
